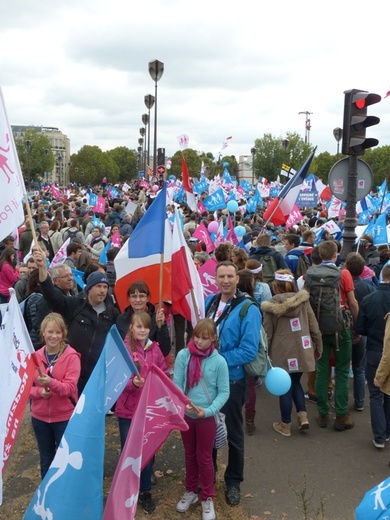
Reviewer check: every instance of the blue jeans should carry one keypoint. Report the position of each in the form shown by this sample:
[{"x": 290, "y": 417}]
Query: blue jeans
[
  {"x": 146, "y": 473},
  {"x": 295, "y": 395},
  {"x": 48, "y": 437},
  {"x": 379, "y": 402},
  {"x": 234, "y": 473},
  {"x": 359, "y": 371}
]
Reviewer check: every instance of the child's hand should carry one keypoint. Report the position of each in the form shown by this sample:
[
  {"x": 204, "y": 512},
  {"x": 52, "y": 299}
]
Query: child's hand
[
  {"x": 138, "y": 381},
  {"x": 46, "y": 394},
  {"x": 44, "y": 379}
]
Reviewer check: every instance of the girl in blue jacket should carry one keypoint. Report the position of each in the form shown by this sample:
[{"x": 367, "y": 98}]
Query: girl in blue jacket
[{"x": 197, "y": 366}]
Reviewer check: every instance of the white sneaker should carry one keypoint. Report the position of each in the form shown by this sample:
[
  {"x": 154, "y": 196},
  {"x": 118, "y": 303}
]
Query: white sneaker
[
  {"x": 208, "y": 512},
  {"x": 186, "y": 500}
]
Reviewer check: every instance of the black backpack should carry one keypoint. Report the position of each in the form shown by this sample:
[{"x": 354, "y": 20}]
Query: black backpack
[
  {"x": 71, "y": 234},
  {"x": 323, "y": 284},
  {"x": 269, "y": 265}
]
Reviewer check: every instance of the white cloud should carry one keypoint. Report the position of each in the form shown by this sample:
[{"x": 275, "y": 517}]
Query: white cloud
[{"x": 240, "y": 70}]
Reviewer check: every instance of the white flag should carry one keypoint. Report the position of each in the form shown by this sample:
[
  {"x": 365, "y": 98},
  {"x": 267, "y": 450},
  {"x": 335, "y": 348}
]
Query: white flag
[{"x": 11, "y": 179}]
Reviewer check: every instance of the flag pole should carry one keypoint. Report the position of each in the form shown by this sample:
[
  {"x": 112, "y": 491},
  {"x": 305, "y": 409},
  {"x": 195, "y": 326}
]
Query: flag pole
[
  {"x": 31, "y": 220},
  {"x": 160, "y": 286},
  {"x": 194, "y": 304}
]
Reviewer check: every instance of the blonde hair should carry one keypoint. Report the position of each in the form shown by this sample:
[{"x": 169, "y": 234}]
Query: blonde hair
[
  {"x": 59, "y": 321},
  {"x": 205, "y": 327}
]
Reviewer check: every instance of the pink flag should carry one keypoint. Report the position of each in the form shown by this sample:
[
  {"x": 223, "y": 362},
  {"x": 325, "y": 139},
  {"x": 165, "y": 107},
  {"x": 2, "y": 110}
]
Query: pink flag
[
  {"x": 55, "y": 191},
  {"x": 187, "y": 290},
  {"x": 203, "y": 235},
  {"x": 100, "y": 205},
  {"x": 388, "y": 94},
  {"x": 61, "y": 255},
  {"x": 231, "y": 236},
  {"x": 201, "y": 207},
  {"x": 160, "y": 410},
  {"x": 295, "y": 216},
  {"x": 219, "y": 236},
  {"x": 207, "y": 277},
  {"x": 116, "y": 240}
]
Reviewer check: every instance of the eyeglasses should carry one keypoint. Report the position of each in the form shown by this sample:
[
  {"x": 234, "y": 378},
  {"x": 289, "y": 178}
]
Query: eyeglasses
[
  {"x": 65, "y": 276},
  {"x": 138, "y": 296}
]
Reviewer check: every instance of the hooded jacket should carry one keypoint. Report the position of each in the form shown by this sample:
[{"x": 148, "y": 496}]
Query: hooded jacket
[
  {"x": 63, "y": 387},
  {"x": 292, "y": 330},
  {"x": 128, "y": 399}
]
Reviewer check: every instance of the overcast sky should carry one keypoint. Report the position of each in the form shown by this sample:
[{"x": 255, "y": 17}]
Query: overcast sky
[{"x": 231, "y": 69}]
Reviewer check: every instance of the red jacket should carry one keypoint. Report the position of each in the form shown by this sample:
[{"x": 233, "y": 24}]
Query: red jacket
[
  {"x": 63, "y": 386},
  {"x": 128, "y": 399}
]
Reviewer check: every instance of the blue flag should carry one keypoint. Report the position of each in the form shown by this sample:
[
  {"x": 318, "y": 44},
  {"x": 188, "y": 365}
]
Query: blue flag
[
  {"x": 370, "y": 228},
  {"x": 92, "y": 199},
  {"x": 80, "y": 456},
  {"x": 73, "y": 486},
  {"x": 78, "y": 278},
  {"x": 103, "y": 254},
  {"x": 379, "y": 232},
  {"x": 375, "y": 503},
  {"x": 200, "y": 186},
  {"x": 215, "y": 201}
]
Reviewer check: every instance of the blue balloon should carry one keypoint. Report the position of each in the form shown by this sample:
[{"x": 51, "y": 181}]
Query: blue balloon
[
  {"x": 277, "y": 381},
  {"x": 232, "y": 206},
  {"x": 172, "y": 178},
  {"x": 240, "y": 231}
]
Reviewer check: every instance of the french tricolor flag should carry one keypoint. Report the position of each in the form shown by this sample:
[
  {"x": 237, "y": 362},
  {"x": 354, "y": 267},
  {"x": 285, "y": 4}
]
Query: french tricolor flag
[
  {"x": 280, "y": 208},
  {"x": 146, "y": 255}
]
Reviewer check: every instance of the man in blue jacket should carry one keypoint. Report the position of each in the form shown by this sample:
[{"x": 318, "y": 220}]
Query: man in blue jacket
[{"x": 238, "y": 339}]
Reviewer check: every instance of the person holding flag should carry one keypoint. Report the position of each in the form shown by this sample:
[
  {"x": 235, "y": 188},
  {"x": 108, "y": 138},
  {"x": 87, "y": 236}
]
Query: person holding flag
[
  {"x": 144, "y": 352},
  {"x": 54, "y": 391}
]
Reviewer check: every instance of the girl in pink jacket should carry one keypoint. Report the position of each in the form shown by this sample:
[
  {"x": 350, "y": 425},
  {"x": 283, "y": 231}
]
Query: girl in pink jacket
[
  {"x": 54, "y": 391},
  {"x": 9, "y": 274},
  {"x": 143, "y": 352}
]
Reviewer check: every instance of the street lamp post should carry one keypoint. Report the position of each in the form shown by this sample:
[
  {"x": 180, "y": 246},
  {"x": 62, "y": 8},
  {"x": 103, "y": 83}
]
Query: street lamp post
[
  {"x": 338, "y": 134},
  {"x": 142, "y": 132},
  {"x": 253, "y": 152},
  {"x": 28, "y": 144},
  {"x": 156, "y": 70},
  {"x": 149, "y": 102}
]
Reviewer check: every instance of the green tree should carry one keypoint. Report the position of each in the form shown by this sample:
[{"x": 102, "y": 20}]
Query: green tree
[
  {"x": 126, "y": 159},
  {"x": 271, "y": 154},
  {"x": 322, "y": 164},
  {"x": 90, "y": 164},
  {"x": 35, "y": 159},
  {"x": 379, "y": 161},
  {"x": 193, "y": 160}
]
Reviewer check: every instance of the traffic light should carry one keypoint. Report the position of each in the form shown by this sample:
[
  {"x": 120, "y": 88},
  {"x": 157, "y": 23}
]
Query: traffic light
[
  {"x": 160, "y": 156},
  {"x": 356, "y": 121}
]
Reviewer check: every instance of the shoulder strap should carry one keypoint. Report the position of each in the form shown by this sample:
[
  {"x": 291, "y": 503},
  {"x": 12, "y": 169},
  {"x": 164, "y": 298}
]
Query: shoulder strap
[
  {"x": 245, "y": 307},
  {"x": 205, "y": 390}
]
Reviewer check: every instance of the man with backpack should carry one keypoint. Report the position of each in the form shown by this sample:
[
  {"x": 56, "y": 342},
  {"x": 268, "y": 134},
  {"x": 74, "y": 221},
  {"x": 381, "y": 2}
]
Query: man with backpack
[
  {"x": 73, "y": 232},
  {"x": 271, "y": 259},
  {"x": 333, "y": 301},
  {"x": 295, "y": 258},
  {"x": 238, "y": 339}
]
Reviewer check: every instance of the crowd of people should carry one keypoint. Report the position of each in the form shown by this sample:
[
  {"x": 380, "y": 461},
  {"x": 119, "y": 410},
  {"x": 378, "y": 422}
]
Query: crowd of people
[{"x": 323, "y": 317}]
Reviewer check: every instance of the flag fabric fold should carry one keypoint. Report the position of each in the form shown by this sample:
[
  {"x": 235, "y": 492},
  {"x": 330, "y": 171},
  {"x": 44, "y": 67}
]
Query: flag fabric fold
[
  {"x": 191, "y": 201},
  {"x": 11, "y": 178},
  {"x": 281, "y": 207},
  {"x": 187, "y": 290},
  {"x": 18, "y": 363},
  {"x": 142, "y": 254},
  {"x": 160, "y": 410},
  {"x": 63, "y": 494}
]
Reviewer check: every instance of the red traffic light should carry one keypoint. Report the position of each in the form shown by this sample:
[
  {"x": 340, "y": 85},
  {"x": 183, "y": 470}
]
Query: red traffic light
[{"x": 361, "y": 103}]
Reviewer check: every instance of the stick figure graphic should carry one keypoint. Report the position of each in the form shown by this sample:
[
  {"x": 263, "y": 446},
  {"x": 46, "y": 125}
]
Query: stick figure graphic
[{"x": 4, "y": 160}]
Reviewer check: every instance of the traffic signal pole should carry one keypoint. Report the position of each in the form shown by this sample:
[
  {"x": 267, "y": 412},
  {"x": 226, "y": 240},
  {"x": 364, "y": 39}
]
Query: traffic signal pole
[{"x": 350, "y": 223}]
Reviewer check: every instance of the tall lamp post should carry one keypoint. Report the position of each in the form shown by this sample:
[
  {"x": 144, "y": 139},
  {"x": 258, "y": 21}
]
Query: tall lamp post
[
  {"x": 338, "y": 135},
  {"x": 145, "y": 120},
  {"x": 46, "y": 151},
  {"x": 253, "y": 152},
  {"x": 156, "y": 70},
  {"x": 142, "y": 132},
  {"x": 149, "y": 102},
  {"x": 28, "y": 145}
]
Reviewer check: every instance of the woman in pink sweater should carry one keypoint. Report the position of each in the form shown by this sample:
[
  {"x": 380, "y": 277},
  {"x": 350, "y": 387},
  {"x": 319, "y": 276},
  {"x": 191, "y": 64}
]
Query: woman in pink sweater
[
  {"x": 9, "y": 274},
  {"x": 54, "y": 391}
]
